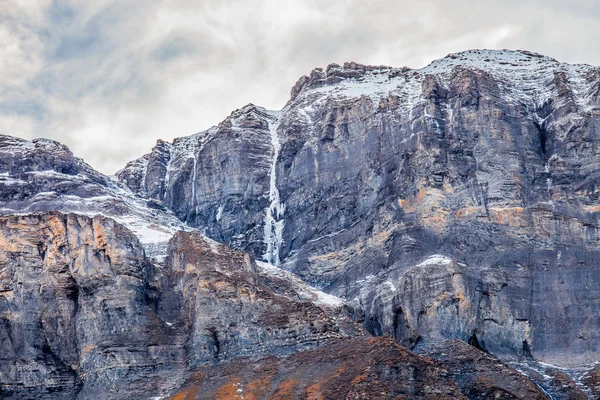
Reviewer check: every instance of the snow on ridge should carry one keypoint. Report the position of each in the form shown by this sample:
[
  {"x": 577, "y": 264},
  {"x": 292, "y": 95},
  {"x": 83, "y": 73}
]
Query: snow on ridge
[
  {"x": 92, "y": 197},
  {"x": 250, "y": 109},
  {"x": 15, "y": 144},
  {"x": 153, "y": 235},
  {"x": 153, "y": 229},
  {"x": 524, "y": 76},
  {"x": 303, "y": 289},
  {"x": 186, "y": 147},
  {"x": 490, "y": 60},
  {"x": 196, "y": 141}
]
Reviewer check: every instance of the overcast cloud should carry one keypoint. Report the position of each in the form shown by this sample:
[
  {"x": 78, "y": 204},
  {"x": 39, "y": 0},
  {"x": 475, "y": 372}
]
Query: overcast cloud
[{"x": 109, "y": 78}]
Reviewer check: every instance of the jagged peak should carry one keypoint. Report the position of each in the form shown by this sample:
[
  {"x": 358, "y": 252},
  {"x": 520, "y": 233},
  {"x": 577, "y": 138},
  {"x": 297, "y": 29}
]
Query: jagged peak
[
  {"x": 12, "y": 143},
  {"x": 249, "y": 116},
  {"x": 248, "y": 108},
  {"x": 493, "y": 61},
  {"x": 251, "y": 108},
  {"x": 334, "y": 73},
  {"x": 487, "y": 59}
]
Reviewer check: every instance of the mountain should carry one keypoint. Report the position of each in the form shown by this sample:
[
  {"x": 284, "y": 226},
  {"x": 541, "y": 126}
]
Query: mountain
[
  {"x": 453, "y": 209},
  {"x": 454, "y": 201},
  {"x": 106, "y": 295},
  {"x": 43, "y": 175}
]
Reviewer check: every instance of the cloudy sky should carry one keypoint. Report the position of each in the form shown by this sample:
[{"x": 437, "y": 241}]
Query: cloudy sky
[{"x": 108, "y": 78}]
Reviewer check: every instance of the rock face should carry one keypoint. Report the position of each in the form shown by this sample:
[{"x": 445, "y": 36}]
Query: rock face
[
  {"x": 72, "y": 304},
  {"x": 83, "y": 312},
  {"x": 217, "y": 180},
  {"x": 43, "y": 175},
  {"x": 459, "y": 200}
]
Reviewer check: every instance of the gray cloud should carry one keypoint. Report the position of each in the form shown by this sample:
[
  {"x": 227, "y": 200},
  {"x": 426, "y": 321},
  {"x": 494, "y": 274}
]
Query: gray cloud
[{"x": 108, "y": 78}]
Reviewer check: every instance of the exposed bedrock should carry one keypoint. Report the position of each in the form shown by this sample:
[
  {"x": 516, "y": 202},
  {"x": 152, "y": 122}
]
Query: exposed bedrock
[
  {"x": 83, "y": 312},
  {"x": 459, "y": 200}
]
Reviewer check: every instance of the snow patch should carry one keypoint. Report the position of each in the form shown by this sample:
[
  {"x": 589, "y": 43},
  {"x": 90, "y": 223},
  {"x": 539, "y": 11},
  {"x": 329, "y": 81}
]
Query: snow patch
[
  {"x": 220, "y": 212},
  {"x": 194, "y": 172},
  {"x": 435, "y": 259},
  {"x": 304, "y": 290}
]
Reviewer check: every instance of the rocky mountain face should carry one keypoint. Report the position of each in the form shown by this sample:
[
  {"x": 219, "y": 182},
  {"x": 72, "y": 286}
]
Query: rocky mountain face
[
  {"x": 459, "y": 200},
  {"x": 83, "y": 312},
  {"x": 451, "y": 209},
  {"x": 217, "y": 180},
  {"x": 92, "y": 308}
]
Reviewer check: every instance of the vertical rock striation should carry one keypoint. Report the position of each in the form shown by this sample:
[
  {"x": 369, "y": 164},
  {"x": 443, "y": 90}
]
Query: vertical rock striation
[
  {"x": 459, "y": 200},
  {"x": 84, "y": 314}
]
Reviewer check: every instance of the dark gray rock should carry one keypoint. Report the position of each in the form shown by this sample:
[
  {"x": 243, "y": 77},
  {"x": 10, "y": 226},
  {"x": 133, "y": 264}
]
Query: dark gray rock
[
  {"x": 217, "y": 180},
  {"x": 487, "y": 158},
  {"x": 479, "y": 375},
  {"x": 84, "y": 314}
]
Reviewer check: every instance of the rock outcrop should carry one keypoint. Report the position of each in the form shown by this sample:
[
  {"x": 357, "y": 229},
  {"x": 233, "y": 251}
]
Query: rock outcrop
[
  {"x": 84, "y": 314},
  {"x": 452, "y": 201},
  {"x": 478, "y": 374},
  {"x": 43, "y": 175}
]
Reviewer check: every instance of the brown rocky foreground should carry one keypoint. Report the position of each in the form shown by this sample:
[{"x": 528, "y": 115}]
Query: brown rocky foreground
[{"x": 362, "y": 368}]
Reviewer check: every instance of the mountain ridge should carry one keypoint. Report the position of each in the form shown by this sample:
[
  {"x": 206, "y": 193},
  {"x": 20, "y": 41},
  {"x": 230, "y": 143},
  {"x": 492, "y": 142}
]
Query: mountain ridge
[
  {"x": 456, "y": 201},
  {"x": 480, "y": 58},
  {"x": 480, "y": 148}
]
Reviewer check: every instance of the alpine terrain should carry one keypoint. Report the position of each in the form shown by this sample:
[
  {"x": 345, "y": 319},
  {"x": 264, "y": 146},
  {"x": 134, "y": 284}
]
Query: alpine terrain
[{"x": 391, "y": 233}]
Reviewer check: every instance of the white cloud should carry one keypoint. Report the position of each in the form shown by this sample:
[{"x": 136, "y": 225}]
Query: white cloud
[
  {"x": 18, "y": 125},
  {"x": 109, "y": 78}
]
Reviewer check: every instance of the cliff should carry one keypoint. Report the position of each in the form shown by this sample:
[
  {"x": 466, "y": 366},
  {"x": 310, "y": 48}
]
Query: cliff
[
  {"x": 452, "y": 201},
  {"x": 452, "y": 209}
]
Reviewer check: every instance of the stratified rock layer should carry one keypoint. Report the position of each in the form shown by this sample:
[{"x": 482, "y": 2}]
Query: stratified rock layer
[
  {"x": 83, "y": 312},
  {"x": 453, "y": 201}
]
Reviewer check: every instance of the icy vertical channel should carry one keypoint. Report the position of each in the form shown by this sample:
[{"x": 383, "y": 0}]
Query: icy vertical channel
[
  {"x": 167, "y": 173},
  {"x": 548, "y": 180},
  {"x": 274, "y": 222},
  {"x": 549, "y": 184},
  {"x": 194, "y": 172}
]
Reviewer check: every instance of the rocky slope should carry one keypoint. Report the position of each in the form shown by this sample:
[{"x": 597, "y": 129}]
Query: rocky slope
[
  {"x": 386, "y": 371},
  {"x": 459, "y": 200},
  {"x": 84, "y": 314}
]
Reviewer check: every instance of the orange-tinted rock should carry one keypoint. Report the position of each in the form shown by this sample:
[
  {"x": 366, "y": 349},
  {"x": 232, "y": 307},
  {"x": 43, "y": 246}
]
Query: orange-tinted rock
[{"x": 356, "y": 368}]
